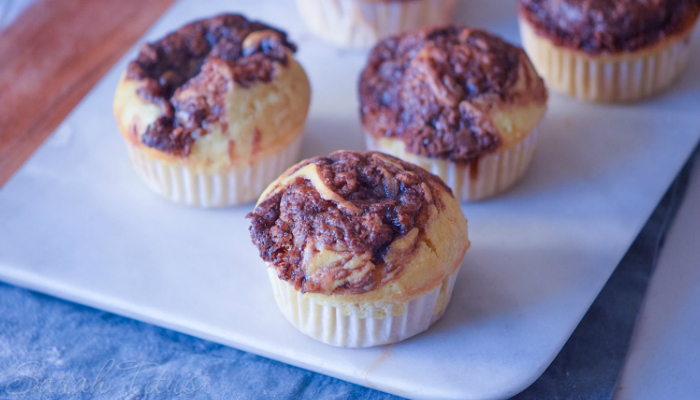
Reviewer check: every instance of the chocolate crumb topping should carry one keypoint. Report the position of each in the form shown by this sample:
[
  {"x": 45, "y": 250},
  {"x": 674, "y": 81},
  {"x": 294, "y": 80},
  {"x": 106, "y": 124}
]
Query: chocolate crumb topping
[
  {"x": 609, "y": 25},
  {"x": 180, "y": 71},
  {"x": 424, "y": 87},
  {"x": 382, "y": 201}
]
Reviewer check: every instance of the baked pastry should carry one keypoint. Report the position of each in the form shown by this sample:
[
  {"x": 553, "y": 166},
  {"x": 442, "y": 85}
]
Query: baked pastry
[
  {"x": 213, "y": 112},
  {"x": 459, "y": 102},
  {"x": 361, "y": 23},
  {"x": 363, "y": 249},
  {"x": 608, "y": 50}
]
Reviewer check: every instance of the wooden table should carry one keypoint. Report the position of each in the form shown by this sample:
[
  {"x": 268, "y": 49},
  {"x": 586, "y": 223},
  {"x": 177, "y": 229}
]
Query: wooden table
[{"x": 51, "y": 56}]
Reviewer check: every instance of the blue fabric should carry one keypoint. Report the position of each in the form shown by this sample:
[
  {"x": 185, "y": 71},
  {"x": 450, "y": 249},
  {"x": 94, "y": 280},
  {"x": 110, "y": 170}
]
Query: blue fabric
[
  {"x": 53, "y": 349},
  {"x": 50, "y": 349}
]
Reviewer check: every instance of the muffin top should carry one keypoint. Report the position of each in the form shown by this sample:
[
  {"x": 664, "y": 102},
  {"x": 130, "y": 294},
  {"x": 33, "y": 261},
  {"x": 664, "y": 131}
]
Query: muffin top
[
  {"x": 438, "y": 89},
  {"x": 609, "y": 25},
  {"x": 348, "y": 223},
  {"x": 177, "y": 71}
]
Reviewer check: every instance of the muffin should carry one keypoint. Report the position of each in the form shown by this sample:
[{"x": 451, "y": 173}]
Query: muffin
[
  {"x": 606, "y": 50},
  {"x": 214, "y": 112},
  {"x": 362, "y": 249},
  {"x": 459, "y": 102},
  {"x": 361, "y": 23}
]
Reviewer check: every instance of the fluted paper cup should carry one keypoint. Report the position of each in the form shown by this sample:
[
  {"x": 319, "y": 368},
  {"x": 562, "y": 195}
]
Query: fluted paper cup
[
  {"x": 607, "y": 77},
  {"x": 193, "y": 187},
  {"x": 354, "y": 23},
  {"x": 490, "y": 175},
  {"x": 363, "y": 325}
]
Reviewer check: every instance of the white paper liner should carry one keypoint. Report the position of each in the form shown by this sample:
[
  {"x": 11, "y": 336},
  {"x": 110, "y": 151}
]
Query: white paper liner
[
  {"x": 606, "y": 78},
  {"x": 238, "y": 185},
  {"x": 493, "y": 173},
  {"x": 331, "y": 325},
  {"x": 353, "y": 23}
]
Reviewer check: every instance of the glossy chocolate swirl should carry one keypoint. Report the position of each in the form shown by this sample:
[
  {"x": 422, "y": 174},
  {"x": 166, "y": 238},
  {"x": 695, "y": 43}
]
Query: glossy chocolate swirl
[
  {"x": 193, "y": 58},
  {"x": 432, "y": 89},
  {"x": 328, "y": 224}
]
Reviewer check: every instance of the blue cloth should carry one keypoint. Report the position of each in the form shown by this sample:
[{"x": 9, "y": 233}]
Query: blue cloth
[{"x": 53, "y": 349}]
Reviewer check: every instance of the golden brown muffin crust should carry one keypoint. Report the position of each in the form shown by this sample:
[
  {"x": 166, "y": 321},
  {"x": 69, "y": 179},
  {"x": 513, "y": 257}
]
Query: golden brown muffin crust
[
  {"x": 380, "y": 199},
  {"x": 189, "y": 58},
  {"x": 421, "y": 87},
  {"x": 609, "y": 25}
]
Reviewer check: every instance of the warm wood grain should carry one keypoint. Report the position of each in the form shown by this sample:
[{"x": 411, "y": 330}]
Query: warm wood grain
[{"x": 51, "y": 56}]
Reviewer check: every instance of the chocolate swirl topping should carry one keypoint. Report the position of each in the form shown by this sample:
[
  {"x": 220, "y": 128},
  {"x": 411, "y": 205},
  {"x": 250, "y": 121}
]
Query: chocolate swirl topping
[
  {"x": 180, "y": 70},
  {"x": 609, "y": 25},
  {"x": 381, "y": 200},
  {"x": 423, "y": 87}
]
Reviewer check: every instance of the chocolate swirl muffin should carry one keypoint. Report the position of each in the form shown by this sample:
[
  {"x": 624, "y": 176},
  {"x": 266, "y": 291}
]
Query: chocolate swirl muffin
[
  {"x": 456, "y": 101},
  {"x": 205, "y": 106},
  {"x": 360, "y": 236},
  {"x": 608, "y": 50}
]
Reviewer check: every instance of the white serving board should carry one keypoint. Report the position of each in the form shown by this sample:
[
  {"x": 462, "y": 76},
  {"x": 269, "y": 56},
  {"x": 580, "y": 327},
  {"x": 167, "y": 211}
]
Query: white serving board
[
  {"x": 664, "y": 356},
  {"x": 76, "y": 222}
]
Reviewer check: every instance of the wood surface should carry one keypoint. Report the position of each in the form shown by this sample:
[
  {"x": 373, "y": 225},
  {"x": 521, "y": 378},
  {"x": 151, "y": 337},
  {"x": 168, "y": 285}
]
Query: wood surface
[{"x": 51, "y": 56}]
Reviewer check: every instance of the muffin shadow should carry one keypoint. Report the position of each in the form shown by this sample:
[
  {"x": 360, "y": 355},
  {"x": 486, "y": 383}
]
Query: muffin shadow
[
  {"x": 492, "y": 293},
  {"x": 570, "y": 151},
  {"x": 324, "y": 135},
  {"x": 475, "y": 13}
]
